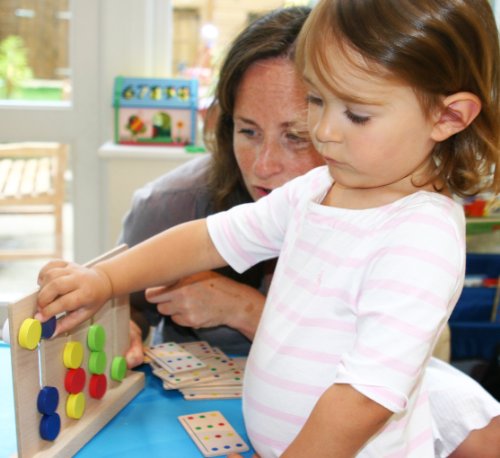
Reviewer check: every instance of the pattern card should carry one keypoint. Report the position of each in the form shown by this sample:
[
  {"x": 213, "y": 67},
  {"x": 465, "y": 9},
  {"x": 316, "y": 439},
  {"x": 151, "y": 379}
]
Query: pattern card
[
  {"x": 214, "y": 368},
  {"x": 213, "y": 434},
  {"x": 219, "y": 373},
  {"x": 174, "y": 358}
]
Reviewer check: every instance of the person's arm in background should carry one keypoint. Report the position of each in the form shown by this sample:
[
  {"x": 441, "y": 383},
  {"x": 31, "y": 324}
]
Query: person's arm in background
[{"x": 202, "y": 300}]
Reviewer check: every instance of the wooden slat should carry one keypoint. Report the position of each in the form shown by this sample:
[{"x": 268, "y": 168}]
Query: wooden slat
[
  {"x": 27, "y": 187},
  {"x": 14, "y": 180},
  {"x": 5, "y": 165},
  {"x": 42, "y": 185}
]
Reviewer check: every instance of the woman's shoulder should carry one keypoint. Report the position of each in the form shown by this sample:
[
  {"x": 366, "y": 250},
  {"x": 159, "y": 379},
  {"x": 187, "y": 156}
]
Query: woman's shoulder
[{"x": 193, "y": 174}]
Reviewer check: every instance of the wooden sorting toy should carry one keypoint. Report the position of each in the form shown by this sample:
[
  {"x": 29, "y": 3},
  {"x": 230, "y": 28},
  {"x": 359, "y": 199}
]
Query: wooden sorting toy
[{"x": 62, "y": 400}]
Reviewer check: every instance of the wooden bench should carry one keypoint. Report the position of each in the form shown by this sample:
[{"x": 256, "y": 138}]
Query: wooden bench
[{"x": 32, "y": 182}]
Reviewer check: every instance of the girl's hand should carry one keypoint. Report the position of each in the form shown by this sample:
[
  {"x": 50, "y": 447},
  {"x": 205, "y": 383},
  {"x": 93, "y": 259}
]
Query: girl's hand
[{"x": 67, "y": 287}]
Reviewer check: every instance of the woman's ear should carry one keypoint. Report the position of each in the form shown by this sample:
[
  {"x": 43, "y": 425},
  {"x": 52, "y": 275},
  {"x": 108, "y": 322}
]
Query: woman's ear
[{"x": 457, "y": 112}]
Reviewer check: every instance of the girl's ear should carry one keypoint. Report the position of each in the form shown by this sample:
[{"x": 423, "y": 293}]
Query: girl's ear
[{"x": 457, "y": 112}]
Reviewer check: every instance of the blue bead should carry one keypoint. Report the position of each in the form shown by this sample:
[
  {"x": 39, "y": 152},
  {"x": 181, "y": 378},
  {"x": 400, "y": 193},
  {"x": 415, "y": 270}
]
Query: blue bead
[
  {"x": 48, "y": 399},
  {"x": 50, "y": 425},
  {"x": 48, "y": 328}
]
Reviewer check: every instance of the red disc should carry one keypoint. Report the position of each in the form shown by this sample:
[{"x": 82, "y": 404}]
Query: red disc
[
  {"x": 75, "y": 380},
  {"x": 97, "y": 386}
]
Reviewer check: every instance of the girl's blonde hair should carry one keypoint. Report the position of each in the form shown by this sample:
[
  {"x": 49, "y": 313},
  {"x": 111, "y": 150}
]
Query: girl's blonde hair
[{"x": 438, "y": 47}]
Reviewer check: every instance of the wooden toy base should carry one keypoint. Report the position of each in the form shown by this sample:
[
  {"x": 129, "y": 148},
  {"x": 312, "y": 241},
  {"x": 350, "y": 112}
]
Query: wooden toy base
[{"x": 34, "y": 369}]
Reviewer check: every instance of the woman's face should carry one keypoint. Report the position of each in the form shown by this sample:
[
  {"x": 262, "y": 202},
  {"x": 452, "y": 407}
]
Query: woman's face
[{"x": 271, "y": 142}]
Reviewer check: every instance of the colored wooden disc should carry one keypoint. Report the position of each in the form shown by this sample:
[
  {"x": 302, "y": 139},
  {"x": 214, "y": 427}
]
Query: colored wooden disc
[
  {"x": 118, "y": 368},
  {"x": 97, "y": 386},
  {"x": 74, "y": 382},
  {"x": 48, "y": 328},
  {"x": 30, "y": 333},
  {"x": 48, "y": 400},
  {"x": 73, "y": 355},
  {"x": 50, "y": 425},
  {"x": 97, "y": 362},
  {"x": 75, "y": 405},
  {"x": 96, "y": 337}
]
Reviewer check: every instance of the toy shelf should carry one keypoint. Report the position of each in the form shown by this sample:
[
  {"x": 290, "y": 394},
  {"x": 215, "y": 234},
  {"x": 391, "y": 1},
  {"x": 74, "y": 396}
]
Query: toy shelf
[{"x": 482, "y": 225}]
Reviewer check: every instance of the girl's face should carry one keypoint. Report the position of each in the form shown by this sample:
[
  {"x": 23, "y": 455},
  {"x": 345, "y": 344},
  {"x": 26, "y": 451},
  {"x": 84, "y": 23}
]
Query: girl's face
[
  {"x": 371, "y": 131},
  {"x": 270, "y": 138}
]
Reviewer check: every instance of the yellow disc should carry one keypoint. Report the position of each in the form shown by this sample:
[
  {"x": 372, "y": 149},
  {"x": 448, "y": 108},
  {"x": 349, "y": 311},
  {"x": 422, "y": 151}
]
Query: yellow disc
[
  {"x": 75, "y": 405},
  {"x": 73, "y": 355},
  {"x": 30, "y": 333}
]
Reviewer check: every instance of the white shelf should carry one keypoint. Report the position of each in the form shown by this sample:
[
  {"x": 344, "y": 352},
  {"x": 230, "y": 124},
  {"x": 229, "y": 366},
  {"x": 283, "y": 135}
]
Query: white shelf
[{"x": 111, "y": 150}]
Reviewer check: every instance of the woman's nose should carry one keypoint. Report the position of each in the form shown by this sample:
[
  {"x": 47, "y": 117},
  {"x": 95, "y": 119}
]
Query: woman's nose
[{"x": 268, "y": 161}]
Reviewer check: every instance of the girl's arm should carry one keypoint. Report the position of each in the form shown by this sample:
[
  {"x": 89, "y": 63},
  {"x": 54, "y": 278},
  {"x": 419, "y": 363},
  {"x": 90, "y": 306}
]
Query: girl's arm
[
  {"x": 80, "y": 291},
  {"x": 342, "y": 421}
]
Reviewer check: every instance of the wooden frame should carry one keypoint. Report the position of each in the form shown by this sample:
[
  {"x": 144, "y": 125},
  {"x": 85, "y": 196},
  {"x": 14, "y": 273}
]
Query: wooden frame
[
  {"x": 32, "y": 182},
  {"x": 32, "y": 369}
]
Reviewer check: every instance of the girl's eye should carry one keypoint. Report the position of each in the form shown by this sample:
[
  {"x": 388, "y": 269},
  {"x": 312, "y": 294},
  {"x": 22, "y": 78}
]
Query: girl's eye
[
  {"x": 313, "y": 100},
  {"x": 356, "y": 119}
]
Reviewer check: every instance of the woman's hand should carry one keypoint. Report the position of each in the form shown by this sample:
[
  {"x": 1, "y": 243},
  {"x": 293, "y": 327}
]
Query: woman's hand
[
  {"x": 77, "y": 290},
  {"x": 135, "y": 353},
  {"x": 209, "y": 299}
]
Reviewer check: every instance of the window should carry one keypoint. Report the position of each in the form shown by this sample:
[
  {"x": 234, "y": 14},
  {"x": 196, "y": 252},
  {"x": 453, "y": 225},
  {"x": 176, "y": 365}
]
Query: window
[{"x": 34, "y": 50}]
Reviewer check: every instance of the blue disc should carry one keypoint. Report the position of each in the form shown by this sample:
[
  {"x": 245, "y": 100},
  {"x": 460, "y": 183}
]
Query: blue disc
[
  {"x": 50, "y": 425},
  {"x": 48, "y": 328},
  {"x": 48, "y": 400}
]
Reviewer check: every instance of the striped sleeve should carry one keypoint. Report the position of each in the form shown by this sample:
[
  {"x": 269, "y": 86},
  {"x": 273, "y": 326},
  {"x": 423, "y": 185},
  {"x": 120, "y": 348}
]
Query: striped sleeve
[{"x": 250, "y": 233}]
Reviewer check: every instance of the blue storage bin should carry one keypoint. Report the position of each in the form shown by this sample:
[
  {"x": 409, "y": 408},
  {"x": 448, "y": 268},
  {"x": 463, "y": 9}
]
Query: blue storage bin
[{"x": 473, "y": 334}]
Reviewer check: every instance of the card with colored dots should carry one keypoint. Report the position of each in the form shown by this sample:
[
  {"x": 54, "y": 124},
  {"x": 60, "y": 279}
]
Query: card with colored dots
[
  {"x": 222, "y": 377},
  {"x": 174, "y": 358},
  {"x": 213, "y": 434},
  {"x": 213, "y": 370}
]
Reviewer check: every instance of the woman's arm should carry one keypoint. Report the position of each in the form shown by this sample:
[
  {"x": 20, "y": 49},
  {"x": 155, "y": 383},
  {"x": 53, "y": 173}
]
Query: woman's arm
[{"x": 210, "y": 299}]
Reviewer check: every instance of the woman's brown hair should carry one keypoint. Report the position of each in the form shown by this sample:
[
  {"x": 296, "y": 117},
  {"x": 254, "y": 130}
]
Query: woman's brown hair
[
  {"x": 438, "y": 47},
  {"x": 271, "y": 36}
]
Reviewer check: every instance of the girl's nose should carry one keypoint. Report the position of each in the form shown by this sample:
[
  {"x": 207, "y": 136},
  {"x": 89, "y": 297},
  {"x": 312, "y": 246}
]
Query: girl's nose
[{"x": 325, "y": 129}]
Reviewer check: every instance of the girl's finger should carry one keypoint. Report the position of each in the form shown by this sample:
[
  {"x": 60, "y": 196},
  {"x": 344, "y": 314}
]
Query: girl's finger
[
  {"x": 56, "y": 264},
  {"x": 71, "y": 320},
  {"x": 52, "y": 290}
]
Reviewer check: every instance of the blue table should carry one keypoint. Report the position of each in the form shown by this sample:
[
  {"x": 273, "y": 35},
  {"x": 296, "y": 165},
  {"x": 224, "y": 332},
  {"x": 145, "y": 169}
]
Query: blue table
[{"x": 147, "y": 426}]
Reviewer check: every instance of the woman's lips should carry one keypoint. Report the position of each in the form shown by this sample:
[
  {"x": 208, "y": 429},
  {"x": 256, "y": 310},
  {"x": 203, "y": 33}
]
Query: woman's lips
[{"x": 260, "y": 191}]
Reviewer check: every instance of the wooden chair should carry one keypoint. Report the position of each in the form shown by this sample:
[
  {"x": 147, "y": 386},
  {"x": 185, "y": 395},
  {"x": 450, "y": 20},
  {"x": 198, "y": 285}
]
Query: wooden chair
[{"x": 32, "y": 182}]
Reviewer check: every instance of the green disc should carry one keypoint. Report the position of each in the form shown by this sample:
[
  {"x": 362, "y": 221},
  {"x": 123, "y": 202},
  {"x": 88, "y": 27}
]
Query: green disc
[
  {"x": 97, "y": 362},
  {"x": 96, "y": 338}
]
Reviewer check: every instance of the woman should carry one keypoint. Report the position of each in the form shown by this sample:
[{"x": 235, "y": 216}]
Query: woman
[{"x": 260, "y": 143}]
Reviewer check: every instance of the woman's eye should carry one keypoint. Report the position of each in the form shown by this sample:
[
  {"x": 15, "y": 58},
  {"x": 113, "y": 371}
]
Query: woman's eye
[
  {"x": 298, "y": 139},
  {"x": 356, "y": 119},
  {"x": 247, "y": 132},
  {"x": 313, "y": 100}
]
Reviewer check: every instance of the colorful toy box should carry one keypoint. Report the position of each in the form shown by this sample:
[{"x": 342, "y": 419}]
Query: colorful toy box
[{"x": 150, "y": 111}]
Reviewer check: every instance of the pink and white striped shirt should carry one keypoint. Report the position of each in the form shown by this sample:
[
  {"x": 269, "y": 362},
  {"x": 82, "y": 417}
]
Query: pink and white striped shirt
[{"x": 358, "y": 297}]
